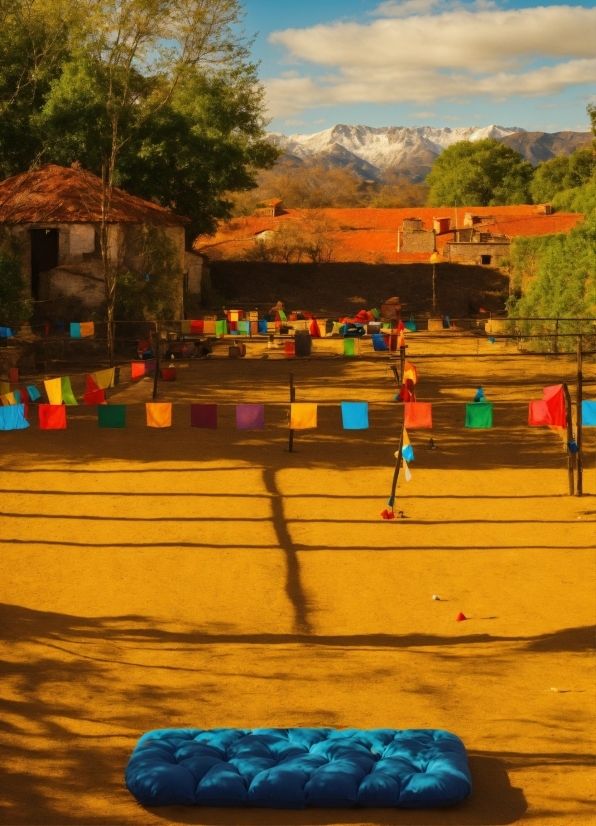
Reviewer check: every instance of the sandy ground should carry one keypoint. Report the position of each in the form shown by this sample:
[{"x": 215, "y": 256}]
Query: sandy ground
[{"x": 181, "y": 577}]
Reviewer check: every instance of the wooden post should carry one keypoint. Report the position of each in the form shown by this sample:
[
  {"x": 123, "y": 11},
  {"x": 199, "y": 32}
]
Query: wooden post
[
  {"x": 402, "y": 362},
  {"x": 556, "y": 342},
  {"x": 579, "y": 434},
  {"x": 157, "y": 355},
  {"x": 435, "y": 291},
  {"x": 292, "y": 400},
  {"x": 570, "y": 456},
  {"x": 391, "y": 501}
]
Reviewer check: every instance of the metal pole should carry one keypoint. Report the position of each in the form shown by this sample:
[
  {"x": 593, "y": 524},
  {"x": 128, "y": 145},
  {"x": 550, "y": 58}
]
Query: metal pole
[
  {"x": 157, "y": 354},
  {"x": 292, "y": 400},
  {"x": 579, "y": 435},
  {"x": 570, "y": 459}
]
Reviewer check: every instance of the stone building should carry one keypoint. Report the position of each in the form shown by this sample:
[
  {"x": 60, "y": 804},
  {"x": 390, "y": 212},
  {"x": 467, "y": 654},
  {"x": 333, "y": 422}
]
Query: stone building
[
  {"x": 55, "y": 213},
  {"x": 412, "y": 237},
  {"x": 482, "y": 248}
]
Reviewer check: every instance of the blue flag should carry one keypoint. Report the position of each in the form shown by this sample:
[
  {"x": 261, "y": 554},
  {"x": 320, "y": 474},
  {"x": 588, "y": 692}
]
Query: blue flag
[
  {"x": 354, "y": 415},
  {"x": 480, "y": 397}
]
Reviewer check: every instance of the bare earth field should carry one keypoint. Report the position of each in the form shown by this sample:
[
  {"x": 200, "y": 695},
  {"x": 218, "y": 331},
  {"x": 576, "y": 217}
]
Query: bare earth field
[{"x": 183, "y": 577}]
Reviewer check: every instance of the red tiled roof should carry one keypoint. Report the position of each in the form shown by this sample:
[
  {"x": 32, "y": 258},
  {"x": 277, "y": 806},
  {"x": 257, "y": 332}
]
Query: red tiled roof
[
  {"x": 56, "y": 194},
  {"x": 370, "y": 235}
]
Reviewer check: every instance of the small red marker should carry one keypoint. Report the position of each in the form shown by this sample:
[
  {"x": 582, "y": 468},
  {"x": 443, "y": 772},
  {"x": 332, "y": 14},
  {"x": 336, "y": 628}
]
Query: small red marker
[{"x": 460, "y": 617}]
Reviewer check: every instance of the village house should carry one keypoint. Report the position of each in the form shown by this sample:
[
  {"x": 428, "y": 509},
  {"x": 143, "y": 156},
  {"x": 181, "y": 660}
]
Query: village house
[{"x": 55, "y": 213}]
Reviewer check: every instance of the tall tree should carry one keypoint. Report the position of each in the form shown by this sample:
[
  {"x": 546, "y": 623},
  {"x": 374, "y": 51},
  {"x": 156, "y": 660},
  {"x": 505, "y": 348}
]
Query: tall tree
[
  {"x": 561, "y": 173},
  {"x": 479, "y": 173}
]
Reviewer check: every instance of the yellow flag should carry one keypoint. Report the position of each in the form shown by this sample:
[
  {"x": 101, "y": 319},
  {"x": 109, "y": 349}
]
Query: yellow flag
[{"x": 54, "y": 390}]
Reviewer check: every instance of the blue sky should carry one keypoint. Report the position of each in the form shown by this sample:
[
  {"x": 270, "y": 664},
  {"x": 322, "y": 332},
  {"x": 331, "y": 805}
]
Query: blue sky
[{"x": 425, "y": 62}]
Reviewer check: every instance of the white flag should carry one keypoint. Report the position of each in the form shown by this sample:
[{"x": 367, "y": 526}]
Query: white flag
[{"x": 407, "y": 472}]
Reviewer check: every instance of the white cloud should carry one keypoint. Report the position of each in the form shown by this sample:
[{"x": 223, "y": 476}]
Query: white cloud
[
  {"x": 422, "y": 114},
  {"x": 293, "y": 122},
  {"x": 422, "y": 57}
]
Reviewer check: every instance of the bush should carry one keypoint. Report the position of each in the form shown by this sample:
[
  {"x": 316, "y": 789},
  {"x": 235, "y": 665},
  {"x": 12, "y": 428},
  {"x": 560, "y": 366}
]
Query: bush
[{"x": 15, "y": 305}]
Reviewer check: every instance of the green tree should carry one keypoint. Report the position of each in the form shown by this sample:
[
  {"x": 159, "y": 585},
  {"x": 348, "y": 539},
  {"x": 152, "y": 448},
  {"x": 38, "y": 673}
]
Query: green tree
[
  {"x": 14, "y": 306},
  {"x": 129, "y": 95},
  {"x": 479, "y": 173},
  {"x": 562, "y": 173},
  {"x": 34, "y": 42}
]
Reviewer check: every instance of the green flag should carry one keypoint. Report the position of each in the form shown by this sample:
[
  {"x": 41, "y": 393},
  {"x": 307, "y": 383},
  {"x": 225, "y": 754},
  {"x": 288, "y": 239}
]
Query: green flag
[
  {"x": 479, "y": 414},
  {"x": 67, "y": 394},
  {"x": 111, "y": 415},
  {"x": 349, "y": 346}
]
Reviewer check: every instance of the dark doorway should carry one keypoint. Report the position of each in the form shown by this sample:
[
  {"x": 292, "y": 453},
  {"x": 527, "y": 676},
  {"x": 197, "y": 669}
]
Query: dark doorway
[
  {"x": 44, "y": 255},
  {"x": 485, "y": 260}
]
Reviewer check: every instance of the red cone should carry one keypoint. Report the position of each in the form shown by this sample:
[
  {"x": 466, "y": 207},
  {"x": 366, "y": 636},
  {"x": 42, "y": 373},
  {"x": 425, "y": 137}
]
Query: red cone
[
  {"x": 460, "y": 617},
  {"x": 387, "y": 514}
]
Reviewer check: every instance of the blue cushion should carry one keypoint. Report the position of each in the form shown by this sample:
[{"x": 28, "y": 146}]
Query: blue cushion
[{"x": 299, "y": 767}]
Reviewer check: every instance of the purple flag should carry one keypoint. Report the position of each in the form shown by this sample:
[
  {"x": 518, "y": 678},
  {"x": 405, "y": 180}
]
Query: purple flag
[{"x": 250, "y": 416}]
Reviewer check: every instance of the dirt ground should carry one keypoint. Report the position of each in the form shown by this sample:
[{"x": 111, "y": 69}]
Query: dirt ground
[{"x": 183, "y": 577}]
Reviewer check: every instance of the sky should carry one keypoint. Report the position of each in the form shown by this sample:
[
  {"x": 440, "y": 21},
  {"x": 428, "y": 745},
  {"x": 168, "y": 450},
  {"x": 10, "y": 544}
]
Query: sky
[{"x": 441, "y": 63}]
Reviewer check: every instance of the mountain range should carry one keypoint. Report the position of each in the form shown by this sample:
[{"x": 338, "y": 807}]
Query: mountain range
[{"x": 410, "y": 151}]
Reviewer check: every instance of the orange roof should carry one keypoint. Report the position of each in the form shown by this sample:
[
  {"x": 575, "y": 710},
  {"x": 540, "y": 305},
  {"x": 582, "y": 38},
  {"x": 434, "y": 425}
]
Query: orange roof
[
  {"x": 369, "y": 234},
  {"x": 56, "y": 194}
]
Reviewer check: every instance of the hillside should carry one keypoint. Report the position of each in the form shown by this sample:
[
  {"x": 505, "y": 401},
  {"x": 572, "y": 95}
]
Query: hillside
[{"x": 411, "y": 150}]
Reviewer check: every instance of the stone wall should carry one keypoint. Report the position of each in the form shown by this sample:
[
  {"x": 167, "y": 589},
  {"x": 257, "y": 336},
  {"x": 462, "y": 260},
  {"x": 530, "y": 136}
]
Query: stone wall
[
  {"x": 417, "y": 241},
  {"x": 473, "y": 253}
]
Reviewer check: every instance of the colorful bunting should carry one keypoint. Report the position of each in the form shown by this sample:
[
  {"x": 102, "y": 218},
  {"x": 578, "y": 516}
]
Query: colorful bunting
[
  {"x": 303, "y": 416},
  {"x": 34, "y": 393},
  {"x": 169, "y": 374},
  {"x": 250, "y": 416},
  {"x": 159, "y": 414},
  {"x": 480, "y": 397},
  {"x": 289, "y": 349},
  {"x": 13, "y": 417},
  {"x": 95, "y": 397},
  {"x": 52, "y": 417},
  {"x": 137, "y": 370},
  {"x": 75, "y": 329},
  {"x": 221, "y": 328},
  {"x": 589, "y": 414},
  {"x": 354, "y": 415},
  {"x": 67, "y": 394},
  {"x": 410, "y": 372},
  {"x": 407, "y": 472},
  {"x": 550, "y": 410},
  {"x": 4, "y": 387},
  {"x": 111, "y": 415},
  {"x": 479, "y": 415},
  {"x": 90, "y": 385},
  {"x": 8, "y": 399},
  {"x": 418, "y": 415},
  {"x": 104, "y": 378},
  {"x": 407, "y": 451},
  {"x": 203, "y": 415},
  {"x": 197, "y": 328},
  {"x": 262, "y": 327},
  {"x": 209, "y": 326},
  {"x": 87, "y": 329},
  {"x": 54, "y": 391}
]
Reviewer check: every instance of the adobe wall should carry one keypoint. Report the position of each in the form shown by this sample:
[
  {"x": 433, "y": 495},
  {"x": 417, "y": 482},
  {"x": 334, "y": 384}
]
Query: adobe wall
[{"x": 471, "y": 253}]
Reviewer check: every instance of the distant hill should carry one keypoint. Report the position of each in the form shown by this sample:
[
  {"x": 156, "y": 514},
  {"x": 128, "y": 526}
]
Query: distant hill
[{"x": 411, "y": 150}]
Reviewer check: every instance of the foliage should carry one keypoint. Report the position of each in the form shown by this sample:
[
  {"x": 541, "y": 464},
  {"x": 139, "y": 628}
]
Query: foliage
[
  {"x": 14, "y": 305},
  {"x": 555, "y": 276},
  {"x": 479, "y": 173},
  {"x": 309, "y": 238},
  {"x": 152, "y": 290},
  {"x": 562, "y": 173},
  {"x": 311, "y": 185},
  {"x": 581, "y": 199}
]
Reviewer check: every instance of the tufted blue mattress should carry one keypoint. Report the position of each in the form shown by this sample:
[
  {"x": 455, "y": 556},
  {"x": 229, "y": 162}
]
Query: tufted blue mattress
[{"x": 292, "y": 768}]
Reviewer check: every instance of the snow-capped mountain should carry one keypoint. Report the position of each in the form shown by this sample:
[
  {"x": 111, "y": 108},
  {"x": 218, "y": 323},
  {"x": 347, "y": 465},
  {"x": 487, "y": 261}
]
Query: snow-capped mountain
[{"x": 412, "y": 150}]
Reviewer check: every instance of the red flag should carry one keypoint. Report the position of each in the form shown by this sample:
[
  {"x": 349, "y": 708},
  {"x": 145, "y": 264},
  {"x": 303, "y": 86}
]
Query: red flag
[
  {"x": 314, "y": 329},
  {"x": 90, "y": 384},
  {"x": 418, "y": 415}
]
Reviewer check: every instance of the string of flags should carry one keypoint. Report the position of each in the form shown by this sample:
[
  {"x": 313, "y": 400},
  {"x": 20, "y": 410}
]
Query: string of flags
[{"x": 303, "y": 415}]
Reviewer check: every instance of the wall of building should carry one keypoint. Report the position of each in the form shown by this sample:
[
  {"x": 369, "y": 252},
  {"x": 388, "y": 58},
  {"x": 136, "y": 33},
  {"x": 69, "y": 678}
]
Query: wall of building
[
  {"x": 417, "y": 241},
  {"x": 80, "y": 270},
  {"x": 471, "y": 253}
]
